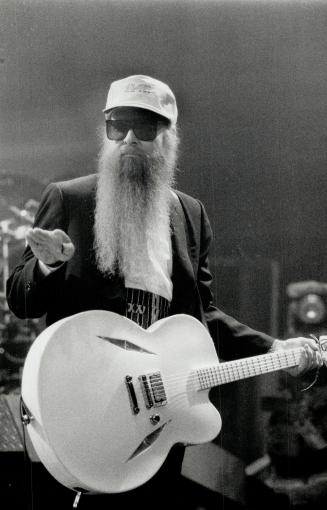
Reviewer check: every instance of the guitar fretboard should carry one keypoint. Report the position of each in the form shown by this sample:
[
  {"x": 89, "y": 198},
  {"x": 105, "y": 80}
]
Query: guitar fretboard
[{"x": 244, "y": 368}]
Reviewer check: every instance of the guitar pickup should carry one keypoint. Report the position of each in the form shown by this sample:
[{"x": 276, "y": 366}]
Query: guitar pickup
[
  {"x": 153, "y": 390},
  {"x": 146, "y": 391}
]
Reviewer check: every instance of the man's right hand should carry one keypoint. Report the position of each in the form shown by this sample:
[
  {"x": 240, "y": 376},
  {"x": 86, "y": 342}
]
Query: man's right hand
[{"x": 50, "y": 246}]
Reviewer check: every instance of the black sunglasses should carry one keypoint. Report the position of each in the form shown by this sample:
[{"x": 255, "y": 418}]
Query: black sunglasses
[{"x": 144, "y": 130}]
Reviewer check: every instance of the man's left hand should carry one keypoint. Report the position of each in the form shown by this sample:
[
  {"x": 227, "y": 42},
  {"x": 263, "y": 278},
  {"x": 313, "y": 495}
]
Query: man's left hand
[{"x": 310, "y": 359}]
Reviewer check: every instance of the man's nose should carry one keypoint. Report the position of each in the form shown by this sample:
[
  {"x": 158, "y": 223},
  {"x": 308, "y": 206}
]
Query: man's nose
[{"x": 130, "y": 137}]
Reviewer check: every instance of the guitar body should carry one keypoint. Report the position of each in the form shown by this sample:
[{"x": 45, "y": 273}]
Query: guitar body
[{"x": 109, "y": 399}]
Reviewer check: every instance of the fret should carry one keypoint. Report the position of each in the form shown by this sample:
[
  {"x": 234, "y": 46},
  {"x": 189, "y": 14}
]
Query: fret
[{"x": 230, "y": 371}]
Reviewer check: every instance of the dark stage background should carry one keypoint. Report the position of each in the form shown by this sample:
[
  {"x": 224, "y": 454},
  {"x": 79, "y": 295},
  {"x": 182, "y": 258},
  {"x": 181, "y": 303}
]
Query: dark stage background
[{"x": 250, "y": 81}]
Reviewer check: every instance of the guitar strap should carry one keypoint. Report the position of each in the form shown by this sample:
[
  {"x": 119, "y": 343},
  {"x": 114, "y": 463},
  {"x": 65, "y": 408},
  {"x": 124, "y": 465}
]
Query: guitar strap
[{"x": 144, "y": 307}]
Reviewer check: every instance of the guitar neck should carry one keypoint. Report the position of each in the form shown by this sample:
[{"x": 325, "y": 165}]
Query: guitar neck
[{"x": 245, "y": 368}]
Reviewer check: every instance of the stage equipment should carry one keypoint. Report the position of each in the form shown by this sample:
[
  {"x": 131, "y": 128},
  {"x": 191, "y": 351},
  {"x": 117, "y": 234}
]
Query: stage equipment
[
  {"x": 16, "y": 336},
  {"x": 296, "y": 434},
  {"x": 307, "y": 308}
]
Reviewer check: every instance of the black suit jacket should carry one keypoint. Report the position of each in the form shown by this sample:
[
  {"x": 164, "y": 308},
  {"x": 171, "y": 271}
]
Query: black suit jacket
[{"x": 78, "y": 285}]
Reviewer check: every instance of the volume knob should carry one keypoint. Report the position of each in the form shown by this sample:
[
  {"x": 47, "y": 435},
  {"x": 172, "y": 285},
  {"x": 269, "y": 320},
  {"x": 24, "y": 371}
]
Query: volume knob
[{"x": 154, "y": 419}]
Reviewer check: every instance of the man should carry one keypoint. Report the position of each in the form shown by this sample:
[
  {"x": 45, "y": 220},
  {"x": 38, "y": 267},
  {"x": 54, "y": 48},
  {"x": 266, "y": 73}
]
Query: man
[{"x": 124, "y": 240}]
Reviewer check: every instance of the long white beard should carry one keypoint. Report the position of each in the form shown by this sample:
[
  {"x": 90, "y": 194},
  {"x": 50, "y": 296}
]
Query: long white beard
[{"x": 132, "y": 208}]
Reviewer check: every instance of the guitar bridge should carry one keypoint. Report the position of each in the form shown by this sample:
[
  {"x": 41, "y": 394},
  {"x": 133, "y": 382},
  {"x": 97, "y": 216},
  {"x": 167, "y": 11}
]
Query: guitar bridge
[{"x": 153, "y": 390}]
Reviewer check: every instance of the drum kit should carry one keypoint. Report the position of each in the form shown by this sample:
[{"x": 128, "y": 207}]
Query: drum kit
[{"x": 16, "y": 335}]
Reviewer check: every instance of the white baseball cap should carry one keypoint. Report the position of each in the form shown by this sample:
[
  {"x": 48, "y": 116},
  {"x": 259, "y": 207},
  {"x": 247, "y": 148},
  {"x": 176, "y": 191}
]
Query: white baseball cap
[{"x": 143, "y": 92}]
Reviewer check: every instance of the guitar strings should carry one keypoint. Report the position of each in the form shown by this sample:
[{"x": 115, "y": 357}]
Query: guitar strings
[{"x": 229, "y": 371}]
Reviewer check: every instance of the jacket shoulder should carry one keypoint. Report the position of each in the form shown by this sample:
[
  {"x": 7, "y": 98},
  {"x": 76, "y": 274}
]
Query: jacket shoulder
[
  {"x": 187, "y": 199},
  {"x": 191, "y": 206},
  {"x": 80, "y": 186},
  {"x": 195, "y": 214}
]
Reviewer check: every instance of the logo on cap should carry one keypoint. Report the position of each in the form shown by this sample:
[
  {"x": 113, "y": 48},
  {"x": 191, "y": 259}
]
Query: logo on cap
[{"x": 143, "y": 88}]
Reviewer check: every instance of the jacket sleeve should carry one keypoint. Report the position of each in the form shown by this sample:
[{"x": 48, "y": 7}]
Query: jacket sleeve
[
  {"x": 28, "y": 290},
  {"x": 232, "y": 339}
]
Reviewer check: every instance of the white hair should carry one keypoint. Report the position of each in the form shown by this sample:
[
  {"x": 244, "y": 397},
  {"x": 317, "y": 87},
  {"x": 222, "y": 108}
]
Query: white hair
[{"x": 132, "y": 205}]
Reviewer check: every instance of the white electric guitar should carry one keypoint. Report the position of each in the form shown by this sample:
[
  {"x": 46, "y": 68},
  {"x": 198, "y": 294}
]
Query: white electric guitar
[{"x": 104, "y": 400}]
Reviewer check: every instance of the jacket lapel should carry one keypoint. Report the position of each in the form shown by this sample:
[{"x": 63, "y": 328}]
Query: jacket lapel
[{"x": 182, "y": 272}]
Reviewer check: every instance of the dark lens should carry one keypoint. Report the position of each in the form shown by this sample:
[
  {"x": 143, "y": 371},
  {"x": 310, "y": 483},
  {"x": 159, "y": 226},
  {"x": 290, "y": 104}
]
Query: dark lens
[
  {"x": 145, "y": 131},
  {"x": 116, "y": 129}
]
